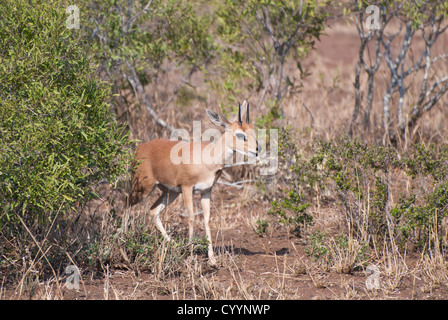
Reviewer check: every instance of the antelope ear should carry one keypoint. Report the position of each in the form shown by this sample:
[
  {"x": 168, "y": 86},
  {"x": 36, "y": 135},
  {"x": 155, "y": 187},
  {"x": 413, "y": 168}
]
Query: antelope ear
[
  {"x": 217, "y": 119},
  {"x": 242, "y": 112}
]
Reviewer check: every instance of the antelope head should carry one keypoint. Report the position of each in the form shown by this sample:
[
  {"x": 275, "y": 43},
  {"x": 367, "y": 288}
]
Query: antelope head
[{"x": 240, "y": 137}]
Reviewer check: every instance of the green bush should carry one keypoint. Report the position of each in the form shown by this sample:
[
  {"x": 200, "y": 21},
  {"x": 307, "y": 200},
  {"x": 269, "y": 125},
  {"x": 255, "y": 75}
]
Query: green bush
[
  {"x": 58, "y": 134},
  {"x": 290, "y": 205},
  {"x": 258, "y": 38},
  {"x": 340, "y": 252},
  {"x": 291, "y": 212},
  {"x": 360, "y": 176},
  {"x": 363, "y": 180},
  {"x": 419, "y": 214}
]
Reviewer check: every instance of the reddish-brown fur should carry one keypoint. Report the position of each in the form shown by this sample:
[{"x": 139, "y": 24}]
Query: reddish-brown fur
[{"x": 156, "y": 167}]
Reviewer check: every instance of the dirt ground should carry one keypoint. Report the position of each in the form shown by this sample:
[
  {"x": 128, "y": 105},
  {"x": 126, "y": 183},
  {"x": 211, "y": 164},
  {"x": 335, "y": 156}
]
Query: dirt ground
[
  {"x": 274, "y": 266},
  {"x": 264, "y": 266}
]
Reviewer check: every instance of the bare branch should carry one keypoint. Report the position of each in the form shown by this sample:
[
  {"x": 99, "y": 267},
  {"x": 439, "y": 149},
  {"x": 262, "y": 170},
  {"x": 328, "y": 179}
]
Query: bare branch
[
  {"x": 236, "y": 184},
  {"x": 177, "y": 88},
  {"x": 416, "y": 113},
  {"x": 139, "y": 90},
  {"x": 131, "y": 21},
  {"x": 435, "y": 85}
]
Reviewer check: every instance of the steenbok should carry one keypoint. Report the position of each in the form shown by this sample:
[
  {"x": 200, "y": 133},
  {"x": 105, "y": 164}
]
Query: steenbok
[{"x": 160, "y": 166}]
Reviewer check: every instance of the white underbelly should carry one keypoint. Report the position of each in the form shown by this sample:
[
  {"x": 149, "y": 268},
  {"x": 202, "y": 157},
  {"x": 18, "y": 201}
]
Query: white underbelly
[
  {"x": 203, "y": 186},
  {"x": 198, "y": 187}
]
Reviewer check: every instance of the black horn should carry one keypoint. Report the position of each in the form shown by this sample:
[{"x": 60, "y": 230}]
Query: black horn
[
  {"x": 239, "y": 114},
  {"x": 247, "y": 114}
]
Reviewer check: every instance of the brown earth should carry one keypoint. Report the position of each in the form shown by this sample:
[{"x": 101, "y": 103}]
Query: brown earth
[{"x": 273, "y": 266}]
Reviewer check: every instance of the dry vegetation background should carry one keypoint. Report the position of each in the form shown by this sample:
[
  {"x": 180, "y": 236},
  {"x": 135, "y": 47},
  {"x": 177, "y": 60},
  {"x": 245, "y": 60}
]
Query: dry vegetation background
[{"x": 258, "y": 257}]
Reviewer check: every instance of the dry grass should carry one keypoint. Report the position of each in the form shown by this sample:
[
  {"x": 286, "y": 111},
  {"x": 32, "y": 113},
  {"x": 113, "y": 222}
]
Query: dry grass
[{"x": 240, "y": 276}]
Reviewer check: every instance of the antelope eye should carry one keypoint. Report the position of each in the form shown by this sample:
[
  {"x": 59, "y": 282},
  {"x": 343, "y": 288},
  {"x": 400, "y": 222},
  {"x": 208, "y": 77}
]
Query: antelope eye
[{"x": 241, "y": 136}]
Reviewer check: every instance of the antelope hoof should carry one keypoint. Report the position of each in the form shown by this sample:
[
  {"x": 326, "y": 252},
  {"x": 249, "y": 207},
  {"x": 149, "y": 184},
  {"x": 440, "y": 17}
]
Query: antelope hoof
[{"x": 212, "y": 262}]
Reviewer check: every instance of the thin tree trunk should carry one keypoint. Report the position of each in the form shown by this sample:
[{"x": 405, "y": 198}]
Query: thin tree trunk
[{"x": 139, "y": 90}]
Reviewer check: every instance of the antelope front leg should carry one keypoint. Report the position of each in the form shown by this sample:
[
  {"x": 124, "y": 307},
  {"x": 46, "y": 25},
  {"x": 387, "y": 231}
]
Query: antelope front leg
[
  {"x": 155, "y": 211},
  {"x": 188, "y": 201},
  {"x": 205, "y": 202},
  {"x": 164, "y": 201}
]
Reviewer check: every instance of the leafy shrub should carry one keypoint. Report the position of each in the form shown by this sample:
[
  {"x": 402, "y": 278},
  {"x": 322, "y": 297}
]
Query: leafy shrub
[
  {"x": 341, "y": 252},
  {"x": 419, "y": 214},
  {"x": 261, "y": 227},
  {"x": 360, "y": 175},
  {"x": 257, "y": 39},
  {"x": 317, "y": 247},
  {"x": 291, "y": 212},
  {"x": 59, "y": 136},
  {"x": 290, "y": 204},
  {"x": 364, "y": 179}
]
